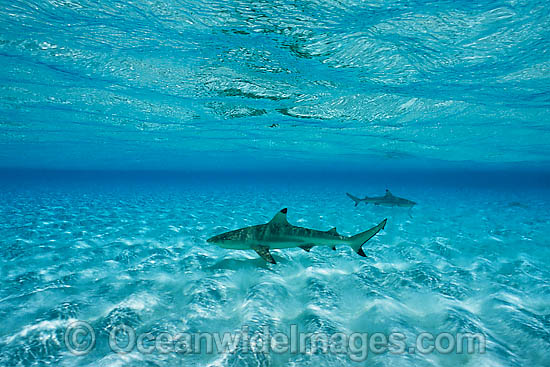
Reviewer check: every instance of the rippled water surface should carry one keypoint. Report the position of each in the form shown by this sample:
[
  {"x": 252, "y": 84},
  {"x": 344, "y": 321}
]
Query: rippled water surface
[
  {"x": 136, "y": 83},
  {"x": 463, "y": 260},
  {"x": 276, "y": 104}
]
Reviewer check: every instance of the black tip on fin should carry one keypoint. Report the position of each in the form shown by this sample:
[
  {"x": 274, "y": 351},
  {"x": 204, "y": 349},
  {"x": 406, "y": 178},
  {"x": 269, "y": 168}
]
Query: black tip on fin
[
  {"x": 360, "y": 252},
  {"x": 263, "y": 251},
  {"x": 333, "y": 248},
  {"x": 284, "y": 210}
]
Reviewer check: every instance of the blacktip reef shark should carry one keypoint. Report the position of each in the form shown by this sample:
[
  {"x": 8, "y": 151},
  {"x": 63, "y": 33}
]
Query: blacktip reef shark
[
  {"x": 387, "y": 200},
  {"x": 278, "y": 233}
]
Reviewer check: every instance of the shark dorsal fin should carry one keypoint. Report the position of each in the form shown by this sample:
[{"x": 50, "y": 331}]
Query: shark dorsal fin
[
  {"x": 388, "y": 193},
  {"x": 280, "y": 217},
  {"x": 332, "y": 231}
]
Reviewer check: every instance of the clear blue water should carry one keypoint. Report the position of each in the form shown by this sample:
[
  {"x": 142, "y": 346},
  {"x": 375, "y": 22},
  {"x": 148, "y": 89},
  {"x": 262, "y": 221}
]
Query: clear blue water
[
  {"x": 132, "y": 131},
  {"x": 109, "y": 250},
  {"x": 156, "y": 84}
]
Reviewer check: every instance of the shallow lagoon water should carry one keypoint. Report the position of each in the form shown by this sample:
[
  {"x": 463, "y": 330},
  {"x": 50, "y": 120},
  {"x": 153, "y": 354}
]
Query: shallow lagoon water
[
  {"x": 273, "y": 104},
  {"x": 465, "y": 259},
  {"x": 179, "y": 84}
]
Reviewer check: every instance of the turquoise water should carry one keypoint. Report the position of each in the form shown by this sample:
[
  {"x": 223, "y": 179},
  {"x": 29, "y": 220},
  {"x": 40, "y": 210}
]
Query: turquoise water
[
  {"x": 113, "y": 250},
  {"x": 133, "y": 131},
  {"x": 156, "y": 84}
]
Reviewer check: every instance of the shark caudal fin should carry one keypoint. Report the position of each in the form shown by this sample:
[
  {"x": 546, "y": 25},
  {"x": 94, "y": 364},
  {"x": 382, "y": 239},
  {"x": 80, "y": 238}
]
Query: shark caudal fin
[
  {"x": 354, "y": 198},
  {"x": 359, "y": 239}
]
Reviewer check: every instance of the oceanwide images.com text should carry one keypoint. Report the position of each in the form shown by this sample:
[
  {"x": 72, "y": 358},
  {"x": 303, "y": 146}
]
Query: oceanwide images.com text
[{"x": 80, "y": 339}]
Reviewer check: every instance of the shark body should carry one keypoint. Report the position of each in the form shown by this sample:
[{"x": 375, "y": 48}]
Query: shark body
[
  {"x": 387, "y": 200},
  {"x": 278, "y": 233}
]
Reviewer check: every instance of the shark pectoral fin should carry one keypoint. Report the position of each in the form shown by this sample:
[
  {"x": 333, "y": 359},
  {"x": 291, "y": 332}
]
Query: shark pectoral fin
[
  {"x": 306, "y": 247},
  {"x": 263, "y": 251},
  {"x": 360, "y": 252}
]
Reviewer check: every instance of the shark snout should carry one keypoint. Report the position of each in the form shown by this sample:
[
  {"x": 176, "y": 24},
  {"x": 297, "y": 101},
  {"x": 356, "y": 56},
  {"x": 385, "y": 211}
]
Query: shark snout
[{"x": 216, "y": 239}]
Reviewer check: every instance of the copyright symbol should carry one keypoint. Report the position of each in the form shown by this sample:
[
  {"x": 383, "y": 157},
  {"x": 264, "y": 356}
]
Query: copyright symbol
[{"x": 79, "y": 338}]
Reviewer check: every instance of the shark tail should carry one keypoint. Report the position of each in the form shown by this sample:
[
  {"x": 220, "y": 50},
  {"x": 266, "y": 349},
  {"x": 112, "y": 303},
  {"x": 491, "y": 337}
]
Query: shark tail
[
  {"x": 360, "y": 239},
  {"x": 354, "y": 198}
]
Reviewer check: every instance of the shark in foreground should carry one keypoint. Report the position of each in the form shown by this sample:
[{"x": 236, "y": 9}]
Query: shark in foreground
[
  {"x": 387, "y": 200},
  {"x": 279, "y": 234}
]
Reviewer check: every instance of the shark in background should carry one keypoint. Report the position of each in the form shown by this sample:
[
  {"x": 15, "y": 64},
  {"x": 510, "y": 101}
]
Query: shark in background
[
  {"x": 278, "y": 233},
  {"x": 387, "y": 200}
]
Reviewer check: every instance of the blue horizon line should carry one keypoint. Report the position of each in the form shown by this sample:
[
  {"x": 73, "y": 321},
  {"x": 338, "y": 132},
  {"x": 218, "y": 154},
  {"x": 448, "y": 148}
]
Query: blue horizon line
[
  {"x": 474, "y": 175},
  {"x": 541, "y": 169}
]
